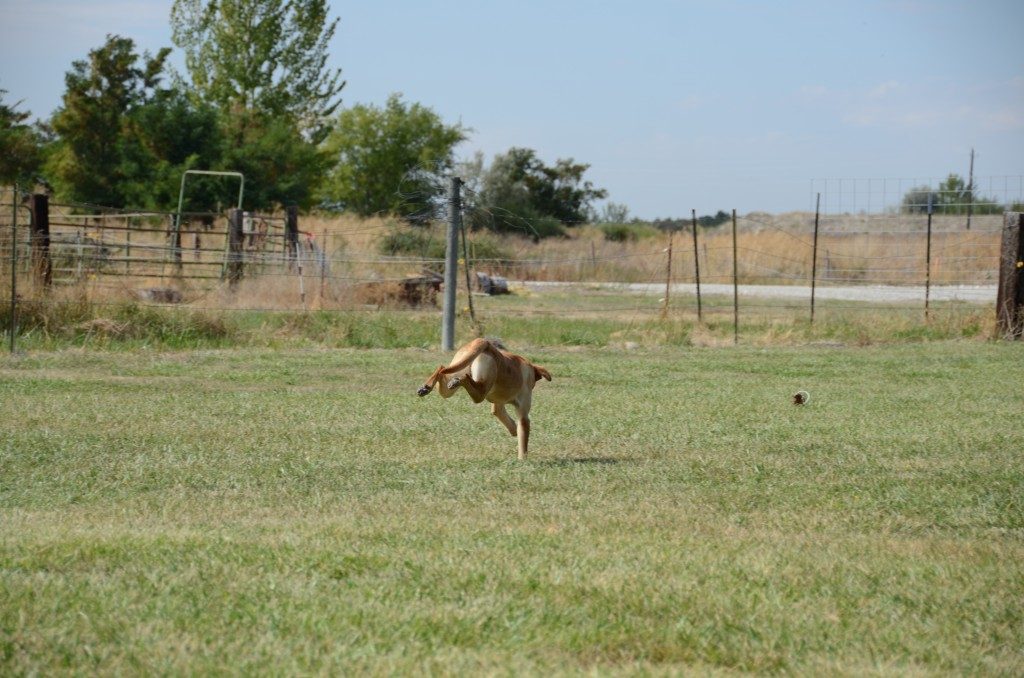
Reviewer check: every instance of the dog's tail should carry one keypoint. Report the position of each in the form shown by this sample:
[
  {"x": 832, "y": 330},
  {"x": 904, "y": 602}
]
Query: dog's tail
[
  {"x": 539, "y": 372},
  {"x": 477, "y": 347}
]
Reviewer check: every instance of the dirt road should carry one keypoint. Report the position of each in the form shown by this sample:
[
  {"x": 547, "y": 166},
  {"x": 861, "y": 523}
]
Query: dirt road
[{"x": 981, "y": 294}]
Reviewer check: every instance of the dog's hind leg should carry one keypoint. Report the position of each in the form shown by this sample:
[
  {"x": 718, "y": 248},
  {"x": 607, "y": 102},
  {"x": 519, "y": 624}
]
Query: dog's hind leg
[
  {"x": 476, "y": 390},
  {"x": 523, "y": 429},
  {"x": 502, "y": 415},
  {"x": 429, "y": 385},
  {"x": 447, "y": 387}
]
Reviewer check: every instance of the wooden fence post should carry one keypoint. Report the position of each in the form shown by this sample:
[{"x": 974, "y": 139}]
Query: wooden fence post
[
  {"x": 42, "y": 266},
  {"x": 291, "y": 234},
  {"x": 1010, "y": 297},
  {"x": 14, "y": 267},
  {"x": 235, "y": 237}
]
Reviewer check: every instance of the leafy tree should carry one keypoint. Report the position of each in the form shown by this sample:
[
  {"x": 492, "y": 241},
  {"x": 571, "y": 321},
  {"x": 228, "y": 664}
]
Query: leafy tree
[
  {"x": 122, "y": 139},
  {"x": 521, "y": 193},
  {"x": 264, "y": 56},
  {"x": 174, "y": 134},
  {"x": 280, "y": 166},
  {"x": 951, "y": 197},
  {"x": 96, "y": 158},
  {"x": 389, "y": 159},
  {"x": 613, "y": 213},
  {"x": 20, "y": 154}
]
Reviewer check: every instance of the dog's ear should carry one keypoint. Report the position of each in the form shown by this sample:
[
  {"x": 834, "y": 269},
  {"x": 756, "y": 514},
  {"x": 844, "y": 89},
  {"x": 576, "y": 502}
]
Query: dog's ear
[{"x": 539, "y": 372}]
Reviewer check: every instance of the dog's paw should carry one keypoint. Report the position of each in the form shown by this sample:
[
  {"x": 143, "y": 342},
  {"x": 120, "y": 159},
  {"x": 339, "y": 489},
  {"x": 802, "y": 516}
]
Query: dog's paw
[
  {"x": 453, "y": 383},
  {"x": 424, "y": 390}
]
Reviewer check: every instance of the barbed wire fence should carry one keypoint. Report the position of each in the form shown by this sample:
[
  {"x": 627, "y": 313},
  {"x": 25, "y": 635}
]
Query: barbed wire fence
[{"x": 867, "y": 247}]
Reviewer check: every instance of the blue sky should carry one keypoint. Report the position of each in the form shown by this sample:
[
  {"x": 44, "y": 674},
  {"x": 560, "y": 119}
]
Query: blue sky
[{"x": 675, "y": 105}]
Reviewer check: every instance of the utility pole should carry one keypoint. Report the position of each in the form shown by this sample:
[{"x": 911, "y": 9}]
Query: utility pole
[{"x": 451, "y": 267}]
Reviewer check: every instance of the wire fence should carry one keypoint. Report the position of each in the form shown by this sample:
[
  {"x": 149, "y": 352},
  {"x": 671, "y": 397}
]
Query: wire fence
[{"x": 766, "y": 266}]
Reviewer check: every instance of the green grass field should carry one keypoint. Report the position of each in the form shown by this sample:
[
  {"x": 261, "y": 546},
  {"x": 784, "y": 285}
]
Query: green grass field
[{"x": 301, "y": 511}]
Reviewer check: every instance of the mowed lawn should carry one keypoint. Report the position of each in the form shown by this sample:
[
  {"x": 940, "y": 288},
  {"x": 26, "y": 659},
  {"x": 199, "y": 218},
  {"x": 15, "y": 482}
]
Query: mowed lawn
[{"x": 293, "y": 512}]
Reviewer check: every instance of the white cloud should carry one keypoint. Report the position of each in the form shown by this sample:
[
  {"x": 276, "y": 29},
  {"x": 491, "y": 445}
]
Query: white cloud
[{"x": 880, "y": 91}]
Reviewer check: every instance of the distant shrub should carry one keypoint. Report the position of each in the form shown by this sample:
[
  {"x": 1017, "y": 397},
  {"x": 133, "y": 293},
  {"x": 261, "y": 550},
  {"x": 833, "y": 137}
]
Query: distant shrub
[
  {"x": 411, "y": 242},
  {"x": 706, "y": 221},
  {"x": 627, "y": 232}
]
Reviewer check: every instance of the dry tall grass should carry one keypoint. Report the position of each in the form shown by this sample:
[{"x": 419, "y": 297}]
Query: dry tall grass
[{"x": 116, "y": 258}]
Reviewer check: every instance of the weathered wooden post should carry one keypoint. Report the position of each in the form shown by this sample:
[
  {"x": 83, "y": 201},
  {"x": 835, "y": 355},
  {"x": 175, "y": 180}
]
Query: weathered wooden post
[
  {"x": 14, "y": 266},
  {"x": 291, "y": 234},
  {"x": 235, "y": 236},
  {"x": 39, "y": 238},
  {"x": 1010, "y": 297}
]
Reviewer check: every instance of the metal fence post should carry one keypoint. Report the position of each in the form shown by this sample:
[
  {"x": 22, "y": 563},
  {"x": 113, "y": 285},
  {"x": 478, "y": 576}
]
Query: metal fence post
[
  {"x": 668, "y": 278},
  {"x": 735, "y": 286},
  {"x": 928, "y": 261},
  {"x": 450, "y": 268},
  {"x": 696, "y": 263},
  {"x": 814, "y": 254}
]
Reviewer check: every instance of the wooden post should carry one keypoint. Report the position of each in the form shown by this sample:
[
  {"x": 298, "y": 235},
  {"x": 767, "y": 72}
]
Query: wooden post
[
  {"x": 302, "y": 286},
  {"x": 14, "y": 266},
  {"x": 176, "y": 249},
  {"x": 696, "y": 263},
  {"x": 814, "y": 253},
  {"x": 42, "y": 266},
  {"x": 235, "y": 235},
  {"x": 668, "y": 278},
  {"x": 323, "y": 267},
  {"x": 1010, "y": 297},
  {"x": 291, "y": 234}
]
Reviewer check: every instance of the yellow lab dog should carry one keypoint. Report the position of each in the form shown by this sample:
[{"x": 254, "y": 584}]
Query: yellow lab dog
[{"x": 489, "y": 372}]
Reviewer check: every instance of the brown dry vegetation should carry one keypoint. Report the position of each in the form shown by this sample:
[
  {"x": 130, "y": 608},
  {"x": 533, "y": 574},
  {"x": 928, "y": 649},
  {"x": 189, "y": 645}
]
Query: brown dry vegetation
[{"x": 103, "y": 261}]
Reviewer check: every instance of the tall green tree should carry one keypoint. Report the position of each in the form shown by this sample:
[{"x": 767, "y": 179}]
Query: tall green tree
[
  {"x": 20, "y": 152},
  {"x": 174, "y": 133},
  {"x": 265, "y": 56},
  {"x": 522, "y": 194},
  {"x": 122, "y": 139},
  {"x": 96, "y": 157},
  {"x": 280, "y": 166},
  {"x": 389, "y": 159}
]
